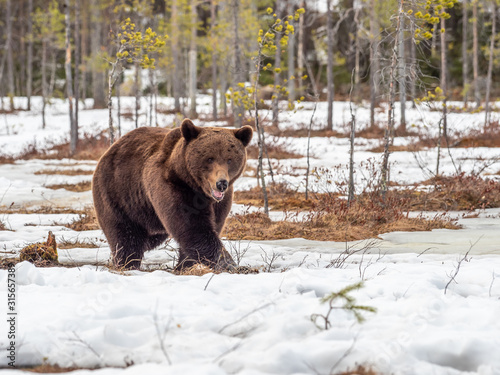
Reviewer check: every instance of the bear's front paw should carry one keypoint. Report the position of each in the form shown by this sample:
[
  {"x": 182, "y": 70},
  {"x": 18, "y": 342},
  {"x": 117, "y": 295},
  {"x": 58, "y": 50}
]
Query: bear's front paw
[{"x": 225, "y": 262}]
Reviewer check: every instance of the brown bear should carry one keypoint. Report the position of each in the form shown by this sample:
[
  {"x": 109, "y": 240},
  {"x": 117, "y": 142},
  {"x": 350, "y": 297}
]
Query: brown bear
[{"x": 156, "y": 183}]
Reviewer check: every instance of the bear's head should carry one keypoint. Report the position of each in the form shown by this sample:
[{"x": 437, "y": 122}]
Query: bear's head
[{"x": 214, "y": 157}]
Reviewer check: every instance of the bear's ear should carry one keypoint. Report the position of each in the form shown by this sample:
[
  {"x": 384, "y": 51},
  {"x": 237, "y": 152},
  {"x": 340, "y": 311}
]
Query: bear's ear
[
  {"x": 189, "y": 130},
  {"x": 244, "y": 135}
]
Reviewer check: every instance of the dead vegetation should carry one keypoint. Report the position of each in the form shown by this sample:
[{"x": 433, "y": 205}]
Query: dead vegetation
[
  {"x": 280, "y": 198},
  {"x": 87, "y": 220},
  {"x": 77, "y": 188},
  {"x": 41, "y": 253},
  {"x": 65, "y": 172},
  {"x": 49, "y": 369},
  {"x": 90, "y": 147},
  {"x": 347, "y": 224},
  {"x": 274, "y": 151}
]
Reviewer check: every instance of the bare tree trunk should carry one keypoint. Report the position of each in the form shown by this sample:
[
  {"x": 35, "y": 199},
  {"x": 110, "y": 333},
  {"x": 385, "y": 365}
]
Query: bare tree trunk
[
  {"x": 53, "y": 68},
  {"x": 213, "y": 24},
  {"x": 357, "y": 54},
  {"x": 84, "y": 48},
  {"x": 111, "y": 81},
  {"x": 238, "y": 69},
  {"x": 98, "y": 79},
  {"x": 414, "y": 67},
  {"x": 10, "y": 57},
  {"x": 277, "y": 63},
  {"x": 137, "y": 90},
  {"x": 77, "y": 66},
  {"x": 21, "y": 57},
  {"x": 69, "y": 80},
  {"x": 151, "y": 94},
  {"x": 352, "y": 136},
  {"x": 291, "y": 60},
  {"x": 475, "y": 51},
  {"x": 119, "y": 106},
  {"x": 329, "y": 67},
  {"x": 192, "y": 62},
  {"x": 443, "y": 82},
  {"x": 44, "y": 80},
  {"x": 389, "y": 130},
  {"x": 29, "y": 69},
  {"x": 300, "y": 47},
  {"x": 176, "y": 76},
  {"x": 465, "y": 57},
  {"x": 316, "y": 99},
  {"x": 223, "y": 89},
  {"x": 260, "y": 135},
  {"x": 490, "y": 64},
  {"x": 402, "y": 75},
  {"x": 374, "y": 61}
]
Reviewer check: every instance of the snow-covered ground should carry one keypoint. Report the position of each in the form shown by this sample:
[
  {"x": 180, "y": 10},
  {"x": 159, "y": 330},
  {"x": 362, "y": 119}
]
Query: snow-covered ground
[{"x": 428, "y": 320}]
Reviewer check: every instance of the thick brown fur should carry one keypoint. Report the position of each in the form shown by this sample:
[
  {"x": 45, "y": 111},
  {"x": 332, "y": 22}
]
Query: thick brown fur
[{"x": 156, "y": 183}]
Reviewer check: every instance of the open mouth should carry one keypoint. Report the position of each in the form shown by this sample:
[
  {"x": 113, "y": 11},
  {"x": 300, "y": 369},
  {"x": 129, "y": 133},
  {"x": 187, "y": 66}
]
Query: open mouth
[{"x": 217, "y": 195}]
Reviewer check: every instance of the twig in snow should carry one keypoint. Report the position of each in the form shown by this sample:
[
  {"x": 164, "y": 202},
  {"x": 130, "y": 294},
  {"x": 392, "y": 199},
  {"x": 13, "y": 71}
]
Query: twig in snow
[
  {"x": 269, "y": 260},
  {"x": 492, "y": 281},
  {"x": 161, "y": 336},
  {"x": 346, "y": 353},
  {"x": 457, "y": 268},
  {"x": 84, "y": 343},
  {"x": 246, "y": 316},
  {"x": 208, "y": 282}
]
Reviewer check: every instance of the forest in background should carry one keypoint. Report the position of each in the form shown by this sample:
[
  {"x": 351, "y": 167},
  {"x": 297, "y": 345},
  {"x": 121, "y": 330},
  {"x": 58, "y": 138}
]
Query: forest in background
[{"x": 210, "y": 44}]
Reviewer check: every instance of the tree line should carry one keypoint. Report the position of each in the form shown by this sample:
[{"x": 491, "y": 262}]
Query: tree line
[{"x": 68, "y": 48}]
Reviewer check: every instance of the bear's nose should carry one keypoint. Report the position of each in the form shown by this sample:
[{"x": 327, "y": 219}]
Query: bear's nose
[{"x": 222, "y": 185}]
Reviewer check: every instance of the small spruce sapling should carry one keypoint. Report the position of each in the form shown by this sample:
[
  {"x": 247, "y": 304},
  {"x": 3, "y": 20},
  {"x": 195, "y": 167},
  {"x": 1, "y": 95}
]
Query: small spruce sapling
[{"x": 349, "y": 305}]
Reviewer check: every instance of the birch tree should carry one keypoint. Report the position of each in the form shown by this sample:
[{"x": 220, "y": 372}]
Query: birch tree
[{"x": 131, "y": 47}]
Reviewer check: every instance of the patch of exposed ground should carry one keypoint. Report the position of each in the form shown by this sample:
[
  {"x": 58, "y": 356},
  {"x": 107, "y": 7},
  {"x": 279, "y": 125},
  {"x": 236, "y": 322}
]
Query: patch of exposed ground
[
  {"x": 65, "y": 172},
  {"x": 78, "y": 187}
]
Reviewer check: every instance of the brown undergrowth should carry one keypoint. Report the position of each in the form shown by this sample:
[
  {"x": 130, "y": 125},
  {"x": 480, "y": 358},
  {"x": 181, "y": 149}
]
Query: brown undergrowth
[
  {"x": 330, "y": 217},
  {"x": 343, "y": 223},
  {"x": 78, "y": 187},
  {"x": 486, "y": 136},
  {"x": 65, "y": 172},
  {"x": 87, "y": 220},
  {"x": 90, "y": 147},
  {"x": 280, "y": 197},
  {"x": 274, "y": 151}
]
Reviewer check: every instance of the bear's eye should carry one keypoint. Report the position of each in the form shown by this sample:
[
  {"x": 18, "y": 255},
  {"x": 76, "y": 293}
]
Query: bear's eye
[
  {"x": 210, "y": 160},
  {"x": 229, "y": 161}
]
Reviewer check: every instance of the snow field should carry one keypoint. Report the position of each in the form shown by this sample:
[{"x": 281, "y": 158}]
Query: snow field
[{"x": 159, "y": 323}]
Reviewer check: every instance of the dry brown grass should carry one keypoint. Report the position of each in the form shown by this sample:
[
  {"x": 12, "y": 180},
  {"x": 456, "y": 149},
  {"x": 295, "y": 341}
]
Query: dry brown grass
[
  {"x": 360, "y": 370},
  {"x": 462, "y": 192},
  {"x": 72, "y": 244},
  {"x": 280, "y": 197},
  {"x": 48, "y": 209},
  {"x": 78, "y": 187},
  {"x": 90, "y": 147},
  {"x": 487, "y": 136},
  {"x": 274, "y": 151},
  {"x": 87, "y": 220},
  {"x": 303, "y": 132},
  {"x": 412, "y": 147},
  {"x": 50, "y": 369},
  {"x": 65, "y": 172},
  {"x": 355, "y": 223}
]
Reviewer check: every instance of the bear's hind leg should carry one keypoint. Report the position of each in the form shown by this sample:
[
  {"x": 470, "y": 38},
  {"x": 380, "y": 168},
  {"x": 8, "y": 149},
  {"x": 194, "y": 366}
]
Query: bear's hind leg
[{"x": 128, "y": 242}]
